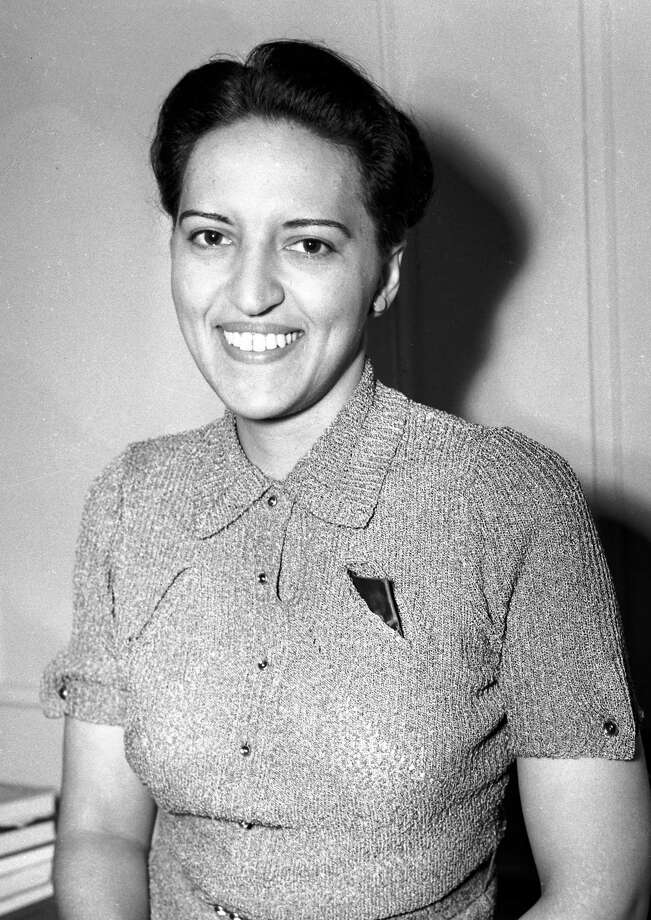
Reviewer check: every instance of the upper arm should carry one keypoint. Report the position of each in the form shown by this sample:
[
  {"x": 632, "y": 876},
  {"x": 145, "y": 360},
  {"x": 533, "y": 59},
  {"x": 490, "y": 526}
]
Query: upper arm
[
  {"x": 557, "y": 633},
  {"x": 589, "y": 825},
  {"x": 86, "y": 680},
  {"x": 101, "y": 794}
]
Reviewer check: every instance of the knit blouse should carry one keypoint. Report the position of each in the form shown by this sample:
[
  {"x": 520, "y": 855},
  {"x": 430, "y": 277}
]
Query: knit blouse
[{"x": 309, "y": 761}]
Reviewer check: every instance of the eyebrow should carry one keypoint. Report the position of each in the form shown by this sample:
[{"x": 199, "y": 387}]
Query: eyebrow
[
  {"x": 317, "y": 222},
  {"x": 209, "y": 215},
  {"x": 290, "y": 224}
]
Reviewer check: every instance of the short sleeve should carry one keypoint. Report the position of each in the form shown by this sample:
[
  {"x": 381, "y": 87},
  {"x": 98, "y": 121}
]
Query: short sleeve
[
  {"x": 563, "y": 670},
  {"x": 85, "y": 679}
]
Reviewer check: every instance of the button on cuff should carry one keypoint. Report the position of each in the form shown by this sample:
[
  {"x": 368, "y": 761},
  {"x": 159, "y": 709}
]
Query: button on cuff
[{"x": 610, "y": 728}]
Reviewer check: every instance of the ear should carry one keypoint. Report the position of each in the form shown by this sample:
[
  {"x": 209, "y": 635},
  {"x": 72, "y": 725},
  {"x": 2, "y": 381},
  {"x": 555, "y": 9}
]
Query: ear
[{"x": 389, "y": 280}]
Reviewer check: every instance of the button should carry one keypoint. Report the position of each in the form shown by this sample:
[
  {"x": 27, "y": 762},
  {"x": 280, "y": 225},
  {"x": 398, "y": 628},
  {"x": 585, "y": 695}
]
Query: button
[
  {"x": 245, "y": 750},
  {"x": 63, "y": 692},
  {"x": 220, "y": 911},
  {"x": 272, "y": 501},
  {"x": 610, "y": 728},
  {"x": 247, "y": 825},
  {"x": 262, "y": 664},
  {"x": 262, "y": 578}
]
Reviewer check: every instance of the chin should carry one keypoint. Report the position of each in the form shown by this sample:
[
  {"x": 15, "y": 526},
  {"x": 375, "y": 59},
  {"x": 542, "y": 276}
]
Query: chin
[
  {"x": 258, "y": 409},
  {"x": 259, "y": 397}
]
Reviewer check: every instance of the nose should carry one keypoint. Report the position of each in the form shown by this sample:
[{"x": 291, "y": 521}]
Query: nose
[{"x": 254, "y": 283}]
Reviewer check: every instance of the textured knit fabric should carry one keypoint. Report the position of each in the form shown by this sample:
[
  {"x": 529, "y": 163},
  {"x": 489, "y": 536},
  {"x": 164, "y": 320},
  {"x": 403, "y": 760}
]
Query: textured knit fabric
[{"x": 309, "y": 763}]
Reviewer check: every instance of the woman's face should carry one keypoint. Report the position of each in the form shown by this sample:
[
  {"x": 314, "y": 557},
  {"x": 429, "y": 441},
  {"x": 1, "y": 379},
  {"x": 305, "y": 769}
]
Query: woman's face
[{"x": 275, "y": 267}]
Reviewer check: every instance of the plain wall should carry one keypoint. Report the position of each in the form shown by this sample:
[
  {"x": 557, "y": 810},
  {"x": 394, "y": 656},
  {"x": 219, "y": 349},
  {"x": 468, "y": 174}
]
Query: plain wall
[{"x": 536, "y": 111}]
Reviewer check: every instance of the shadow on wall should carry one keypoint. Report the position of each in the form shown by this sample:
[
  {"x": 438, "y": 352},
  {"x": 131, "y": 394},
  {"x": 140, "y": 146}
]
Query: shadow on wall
[
  {"x": 628, "y": 550},
  {"x": 462, "y": 258}
]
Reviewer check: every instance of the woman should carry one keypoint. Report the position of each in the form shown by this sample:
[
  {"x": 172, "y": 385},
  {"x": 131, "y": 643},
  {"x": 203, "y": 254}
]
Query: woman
[{"x": 315, "y": 634}]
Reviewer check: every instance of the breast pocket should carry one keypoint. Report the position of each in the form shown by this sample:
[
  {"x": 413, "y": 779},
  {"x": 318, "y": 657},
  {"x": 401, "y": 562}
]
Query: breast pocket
[
  {"x": 349, "y": 657},
  {"x": 378, "y": 606},
  {"x": 379, "y": 596}
]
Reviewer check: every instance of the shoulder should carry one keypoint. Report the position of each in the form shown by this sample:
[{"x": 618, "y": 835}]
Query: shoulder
[
  {"x": 519, "y": 477},
  {"x": 497, "y": 466},
  {"x": 168, "y": 450},
  {"x": 154, "y": 464}
]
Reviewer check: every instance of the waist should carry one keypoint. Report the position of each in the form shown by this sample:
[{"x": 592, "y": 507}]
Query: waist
[
  {"x": 474, "y": 899},
  {"x": 368, "y": 873}
]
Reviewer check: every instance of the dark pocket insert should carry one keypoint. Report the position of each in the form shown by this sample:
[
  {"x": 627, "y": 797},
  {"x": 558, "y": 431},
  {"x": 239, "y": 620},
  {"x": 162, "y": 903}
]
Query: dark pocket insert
[{"x": 377, "y": 593}]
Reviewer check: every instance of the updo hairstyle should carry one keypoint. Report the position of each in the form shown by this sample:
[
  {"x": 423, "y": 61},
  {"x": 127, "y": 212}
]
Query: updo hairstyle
[{"x": 316, "y": 88}]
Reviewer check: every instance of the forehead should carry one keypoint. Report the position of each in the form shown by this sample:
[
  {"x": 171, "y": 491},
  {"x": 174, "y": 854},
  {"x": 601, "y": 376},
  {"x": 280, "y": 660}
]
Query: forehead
[{"x": 273, "y": 164}]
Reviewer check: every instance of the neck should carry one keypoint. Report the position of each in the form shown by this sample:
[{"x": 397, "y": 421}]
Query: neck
[{"x": 276, "y": 445}]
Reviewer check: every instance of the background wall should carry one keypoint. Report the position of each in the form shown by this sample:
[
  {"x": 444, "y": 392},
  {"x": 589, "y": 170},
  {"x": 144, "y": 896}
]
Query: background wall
[{"x": 525, "y": 298}]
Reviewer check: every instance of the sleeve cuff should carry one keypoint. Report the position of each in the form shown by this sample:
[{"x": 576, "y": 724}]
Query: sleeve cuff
[
  {"x": 610, "y": 734},
  {"x": 82, "y": 699}
]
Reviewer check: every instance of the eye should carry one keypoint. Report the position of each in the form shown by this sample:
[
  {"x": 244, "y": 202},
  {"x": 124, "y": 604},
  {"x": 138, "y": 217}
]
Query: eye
[
  {"x": 311, "y": 247},
  {"x": 207, "y": 239}
]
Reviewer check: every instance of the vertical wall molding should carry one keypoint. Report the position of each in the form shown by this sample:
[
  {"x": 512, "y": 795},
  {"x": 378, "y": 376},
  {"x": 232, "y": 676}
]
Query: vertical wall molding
[{"x": 601, "y": 247}]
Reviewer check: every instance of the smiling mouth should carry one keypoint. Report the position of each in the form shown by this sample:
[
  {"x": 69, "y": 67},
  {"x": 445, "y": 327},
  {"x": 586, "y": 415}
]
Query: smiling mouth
[{"x": 259, "y": 341}]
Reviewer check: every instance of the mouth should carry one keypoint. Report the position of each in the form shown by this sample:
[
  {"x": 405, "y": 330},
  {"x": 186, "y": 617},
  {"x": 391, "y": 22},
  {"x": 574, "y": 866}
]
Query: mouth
[
  {"x": 259, "y": 347},
  {"x": 260, "y": 341}
]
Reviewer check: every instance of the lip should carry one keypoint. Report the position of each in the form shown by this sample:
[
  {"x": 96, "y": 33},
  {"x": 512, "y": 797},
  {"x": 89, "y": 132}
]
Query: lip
[
  {"x": 257, "y": 357},
  {"x": 262, "y": 328}
]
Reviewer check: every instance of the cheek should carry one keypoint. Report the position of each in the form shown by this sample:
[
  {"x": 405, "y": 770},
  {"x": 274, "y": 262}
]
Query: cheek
[
  {"x": 190, "y": 289},
  {"x": 348, "y": 307}
]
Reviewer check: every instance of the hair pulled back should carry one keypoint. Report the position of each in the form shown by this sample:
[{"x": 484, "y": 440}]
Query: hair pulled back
[{"x": 316, "y": 88}]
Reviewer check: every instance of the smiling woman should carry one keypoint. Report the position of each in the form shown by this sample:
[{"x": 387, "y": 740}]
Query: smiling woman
[
  {"x": 315, "y": 634},
  {"x": 274, "y": 239}
]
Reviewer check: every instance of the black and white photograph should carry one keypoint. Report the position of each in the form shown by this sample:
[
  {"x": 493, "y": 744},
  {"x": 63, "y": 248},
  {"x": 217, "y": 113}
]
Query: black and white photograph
[{"x": 326, "y": 461}]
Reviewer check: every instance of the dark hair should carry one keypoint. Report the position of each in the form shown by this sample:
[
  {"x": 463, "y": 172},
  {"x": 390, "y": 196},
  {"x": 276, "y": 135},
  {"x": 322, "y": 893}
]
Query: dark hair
[{"x": 312, "y": 86}]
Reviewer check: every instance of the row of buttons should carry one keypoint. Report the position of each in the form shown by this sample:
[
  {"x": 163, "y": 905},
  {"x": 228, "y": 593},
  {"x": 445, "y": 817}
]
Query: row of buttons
[
  {"x": 263, "y": 579},
  {"x": 245, "y": 747}
]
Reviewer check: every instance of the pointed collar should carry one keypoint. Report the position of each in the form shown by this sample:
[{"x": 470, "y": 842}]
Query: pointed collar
[{"x": 339, "y": 480}]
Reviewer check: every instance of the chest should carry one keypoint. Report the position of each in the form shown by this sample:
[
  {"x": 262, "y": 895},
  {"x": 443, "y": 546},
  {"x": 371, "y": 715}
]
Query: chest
[{"x": 257, "y": 670}]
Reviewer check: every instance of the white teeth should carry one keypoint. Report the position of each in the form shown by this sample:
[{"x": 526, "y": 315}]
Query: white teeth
[{"x": 259, "y": 341}]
